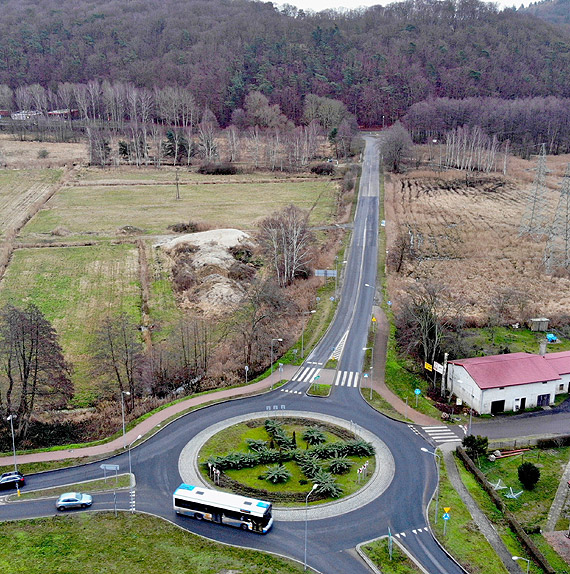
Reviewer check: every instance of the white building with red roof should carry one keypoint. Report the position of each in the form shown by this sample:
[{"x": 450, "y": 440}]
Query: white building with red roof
[{"x": 510, "y": 382}]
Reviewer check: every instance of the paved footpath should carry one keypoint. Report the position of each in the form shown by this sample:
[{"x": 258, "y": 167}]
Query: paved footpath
[
  {"x": 155, "y": 420},
  {"x": 152, "y": 422}
]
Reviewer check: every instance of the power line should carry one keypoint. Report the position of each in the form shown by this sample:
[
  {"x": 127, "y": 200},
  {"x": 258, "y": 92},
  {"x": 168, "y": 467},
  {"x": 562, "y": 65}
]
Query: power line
[{"x": 557, "y": 251}]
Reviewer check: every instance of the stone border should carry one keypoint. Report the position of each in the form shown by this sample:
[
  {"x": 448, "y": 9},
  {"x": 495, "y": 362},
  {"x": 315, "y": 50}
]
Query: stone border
[{"x": 378, "y": 483}]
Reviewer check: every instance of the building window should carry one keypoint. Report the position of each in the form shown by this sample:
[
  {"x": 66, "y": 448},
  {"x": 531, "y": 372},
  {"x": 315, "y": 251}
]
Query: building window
[
  {"x": 561, "y": 387},
  {"x": 501, "y": 388}
]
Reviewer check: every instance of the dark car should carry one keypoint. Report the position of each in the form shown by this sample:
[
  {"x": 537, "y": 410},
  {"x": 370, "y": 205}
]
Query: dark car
[{"x": 12, "y": 479}]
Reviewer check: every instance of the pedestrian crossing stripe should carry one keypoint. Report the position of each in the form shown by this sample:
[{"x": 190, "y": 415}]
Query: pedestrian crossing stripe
[
  {"x": 347, "y": 378},
  {"x": 441, "y": 434},
  {"x": 292, "y": 392},
  {"x": 306, "y": 374}
]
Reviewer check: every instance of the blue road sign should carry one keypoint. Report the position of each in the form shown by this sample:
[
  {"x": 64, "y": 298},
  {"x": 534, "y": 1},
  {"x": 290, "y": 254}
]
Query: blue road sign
[
  {"x": 446, "y": 516},
  {"x": 418, "y": 391}
]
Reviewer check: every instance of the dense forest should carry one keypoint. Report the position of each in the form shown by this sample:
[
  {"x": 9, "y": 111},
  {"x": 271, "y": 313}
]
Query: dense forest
[
  {"x": 554, "y": 11},
  {"x": 379, "y": 61}
]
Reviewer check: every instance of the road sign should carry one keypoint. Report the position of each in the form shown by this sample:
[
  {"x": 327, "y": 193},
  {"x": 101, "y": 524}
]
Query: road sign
[
  {"x": 428, "y": 367},
  {"x": 374, "y": 319},
  {"x": 446, "y": 509},
  {"x": 109, "y": 466},
  {"x": 446, "y": 516},
  {"x": 325, "y": 272},
  {"x": 438, "y": 367},
  {"x": 417, "y": 392}
]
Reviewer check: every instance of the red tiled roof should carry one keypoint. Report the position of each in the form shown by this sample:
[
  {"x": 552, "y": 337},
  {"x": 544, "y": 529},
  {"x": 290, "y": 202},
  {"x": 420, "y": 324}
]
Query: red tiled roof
[
  {"x": 509, "y": 370},
  {"x": 560, "y": 362}
]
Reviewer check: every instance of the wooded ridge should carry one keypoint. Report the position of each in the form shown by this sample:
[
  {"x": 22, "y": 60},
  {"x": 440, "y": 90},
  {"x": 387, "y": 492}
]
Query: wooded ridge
[{"x": 378, "y": 61}]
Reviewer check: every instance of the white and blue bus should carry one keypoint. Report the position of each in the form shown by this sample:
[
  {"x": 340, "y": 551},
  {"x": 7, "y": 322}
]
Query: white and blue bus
[{"x": 223, "y": 507}]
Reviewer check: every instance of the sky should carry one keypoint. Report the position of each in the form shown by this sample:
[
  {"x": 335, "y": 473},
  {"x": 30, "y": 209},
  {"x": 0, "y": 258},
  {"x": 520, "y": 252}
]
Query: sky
[{"x": 318, "y": 5}]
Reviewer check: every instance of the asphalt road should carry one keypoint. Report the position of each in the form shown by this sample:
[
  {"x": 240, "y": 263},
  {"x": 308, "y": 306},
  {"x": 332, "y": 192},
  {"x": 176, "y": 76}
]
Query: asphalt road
[{"x": 401, "y": 507}]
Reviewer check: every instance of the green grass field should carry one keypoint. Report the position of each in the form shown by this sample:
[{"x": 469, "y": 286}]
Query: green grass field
[
  {"x": 92, "y": 543},
  {"x": 75, "y": 288},
  {"x": 99, "y": 211}
]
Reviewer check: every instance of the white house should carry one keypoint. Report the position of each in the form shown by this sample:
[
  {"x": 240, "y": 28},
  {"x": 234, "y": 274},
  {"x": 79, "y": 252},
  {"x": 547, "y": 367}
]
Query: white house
[{"x": 511, "y": 382}]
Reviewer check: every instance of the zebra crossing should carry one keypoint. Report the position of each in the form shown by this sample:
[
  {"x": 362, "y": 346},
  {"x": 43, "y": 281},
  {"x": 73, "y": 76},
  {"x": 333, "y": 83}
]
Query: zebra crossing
[
  {"x": 306, "y": 375},
  {"x": 343, "y": 378},
  {"x": 441, "y": 434},
  {"x": 347, "y": 378},
  {"x": 291, "y": 392}
]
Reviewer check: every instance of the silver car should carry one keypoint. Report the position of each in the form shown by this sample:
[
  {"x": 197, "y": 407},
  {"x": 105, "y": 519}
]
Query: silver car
[{"x": 74, "y": 500}]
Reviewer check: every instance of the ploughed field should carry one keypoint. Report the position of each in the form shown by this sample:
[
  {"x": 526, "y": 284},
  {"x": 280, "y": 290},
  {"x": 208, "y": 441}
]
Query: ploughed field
[{"x": 464, "y": 233}]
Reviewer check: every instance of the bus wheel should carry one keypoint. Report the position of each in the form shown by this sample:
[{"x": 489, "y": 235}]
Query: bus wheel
[
  {"x": 244, "y": 526},
  {"x": 198, "y": 516}
]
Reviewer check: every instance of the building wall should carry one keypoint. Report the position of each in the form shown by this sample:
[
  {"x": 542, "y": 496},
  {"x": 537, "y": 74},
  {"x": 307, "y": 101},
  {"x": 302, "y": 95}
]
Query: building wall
[{"x": 463, "y": 386}]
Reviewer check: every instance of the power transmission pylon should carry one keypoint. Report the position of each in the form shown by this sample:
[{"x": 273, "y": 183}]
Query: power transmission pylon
[
  {"x": 534, "y": 221},
  {"x": 557, "y": 251}
]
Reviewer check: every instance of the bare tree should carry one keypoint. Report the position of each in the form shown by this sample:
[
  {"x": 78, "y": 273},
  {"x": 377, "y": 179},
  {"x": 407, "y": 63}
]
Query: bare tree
[
  {"x": 396, "y": 147},
  {"x": 428, "y": 310},
  {"x": 286, "y": 241},
  {"x": 33, "y": 366},
  {"x": 118, "y": 355},
  {"x": 256, "y": 322}
]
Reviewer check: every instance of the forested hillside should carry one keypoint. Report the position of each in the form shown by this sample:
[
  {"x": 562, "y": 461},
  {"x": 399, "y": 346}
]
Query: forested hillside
[
  {"x": 378, "y": 61},
  {"x": 554, "y": 11}
]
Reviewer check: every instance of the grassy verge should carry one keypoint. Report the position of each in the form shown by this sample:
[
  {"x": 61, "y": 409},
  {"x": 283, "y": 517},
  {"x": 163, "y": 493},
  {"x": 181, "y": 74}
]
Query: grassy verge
[
  {"x": 319, "y": 390},
  {"x": 378, "y": 551},
  {"x": 99, "y": 485},
  {"x": 382, "y": 405},
  {"x": 530, "y": 511},
  {"x": 98, "y": 542},
  {"x": 463, "y": 540},
  {"x": 403, "y": 382}
]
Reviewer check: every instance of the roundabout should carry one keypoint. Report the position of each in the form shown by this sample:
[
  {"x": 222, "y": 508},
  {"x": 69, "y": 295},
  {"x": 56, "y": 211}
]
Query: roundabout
[{"x": 381, "y": 479}]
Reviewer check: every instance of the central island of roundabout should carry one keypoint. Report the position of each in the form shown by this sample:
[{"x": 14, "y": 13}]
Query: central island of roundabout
[{"x": 382, "y": 475}]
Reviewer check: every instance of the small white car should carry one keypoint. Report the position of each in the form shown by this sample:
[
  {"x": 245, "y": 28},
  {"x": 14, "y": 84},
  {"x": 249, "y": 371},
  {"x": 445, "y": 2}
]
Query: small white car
[{"x": 73, "y": 500}]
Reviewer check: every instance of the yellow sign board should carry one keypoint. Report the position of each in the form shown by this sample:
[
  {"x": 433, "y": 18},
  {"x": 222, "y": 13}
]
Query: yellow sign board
[
  {"x": 374, "y": 319},
  {"x": 446, "y": 508},
  {"x": 428, "y": 367}
]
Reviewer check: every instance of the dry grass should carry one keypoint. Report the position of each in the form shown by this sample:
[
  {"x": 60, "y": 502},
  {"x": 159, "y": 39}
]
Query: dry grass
[
  {"x": 467, "y": 236},
  {"x": 16, "y": 154}
]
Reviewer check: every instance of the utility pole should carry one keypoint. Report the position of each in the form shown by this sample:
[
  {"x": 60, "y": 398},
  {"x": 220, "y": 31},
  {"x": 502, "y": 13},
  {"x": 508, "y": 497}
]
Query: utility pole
[
  {"x": 557, "y": 251},
  {"x": 534, "y": 219},
  {"x": 177, "y": 186}
]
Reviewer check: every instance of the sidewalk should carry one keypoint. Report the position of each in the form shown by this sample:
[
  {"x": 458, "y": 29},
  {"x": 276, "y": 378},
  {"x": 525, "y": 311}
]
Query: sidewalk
[
  {"x": 378, "y": 377},
  {"x": 146, "y": 426},
  {"x": 153, "y": 421}
]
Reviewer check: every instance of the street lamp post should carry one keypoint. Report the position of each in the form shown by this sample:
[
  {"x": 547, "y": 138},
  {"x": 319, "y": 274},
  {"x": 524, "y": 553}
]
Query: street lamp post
[
  {"x": 423, "y": 449},
  {"x": 525, "y": 559},
  {"x": 123, "y": 393},
  {"x": 272, "y": 352},
  {"x": 303, "y": 334},
  {"x": 11, "y": 419},
  {"x": 306, "y": 519}
]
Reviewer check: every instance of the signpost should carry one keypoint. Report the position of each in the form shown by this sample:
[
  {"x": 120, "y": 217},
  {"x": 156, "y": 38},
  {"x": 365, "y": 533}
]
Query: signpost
[
  {"x": 445, "y": 517},
  {"x": 417, "y": 392},
  {"x": 111, "y": 467}
]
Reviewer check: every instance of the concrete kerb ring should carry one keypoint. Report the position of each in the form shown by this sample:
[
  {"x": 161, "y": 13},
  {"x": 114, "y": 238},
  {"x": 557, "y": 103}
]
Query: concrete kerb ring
[{"x": 378, "y": 483}]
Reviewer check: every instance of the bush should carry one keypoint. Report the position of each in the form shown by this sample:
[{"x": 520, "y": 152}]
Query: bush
[
  {"x": 314, "y": 436},
  {"x": 218, "y": 169},
  {"x": 323, "y": 169},
  {"x": 529, "y": 475},
  {"x": 339, "y": 465},
  {"x": 327, "y": 485},
  {"x": 475, "y": 445},
  {"x": 190, "y": 227},
  {"x": 43, "y": 153},
  {"x": 277, "y": 474}
]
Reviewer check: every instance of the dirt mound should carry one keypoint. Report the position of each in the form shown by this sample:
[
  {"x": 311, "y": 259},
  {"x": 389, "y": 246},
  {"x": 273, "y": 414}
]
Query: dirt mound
[{"x": 204, "y": 268}]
